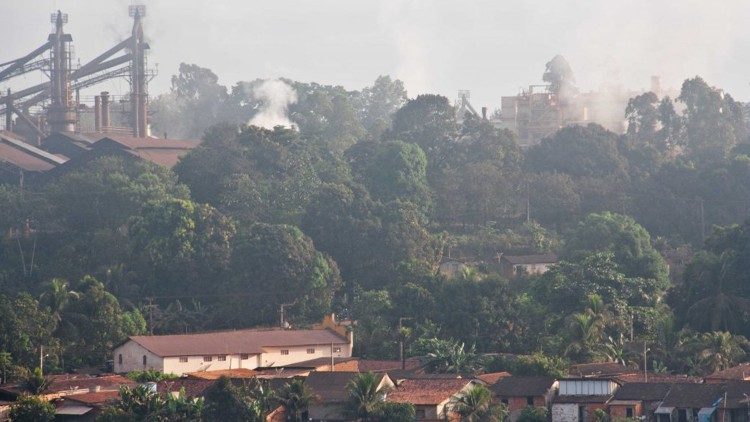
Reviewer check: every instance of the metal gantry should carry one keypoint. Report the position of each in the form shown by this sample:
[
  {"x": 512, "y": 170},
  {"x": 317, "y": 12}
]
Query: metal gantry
[{"x": 54, "y": 57}]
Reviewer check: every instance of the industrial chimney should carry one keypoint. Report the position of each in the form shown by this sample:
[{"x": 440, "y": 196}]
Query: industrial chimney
[
  {"x": 97, "y": 114},
  {"x": 105, "y": 110},
  {"x": 656, "y": 85},
  {"x": 484, "y": 113}
]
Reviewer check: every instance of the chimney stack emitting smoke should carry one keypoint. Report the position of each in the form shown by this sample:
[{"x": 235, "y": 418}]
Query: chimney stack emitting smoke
[{"x": 275, "y": 96}]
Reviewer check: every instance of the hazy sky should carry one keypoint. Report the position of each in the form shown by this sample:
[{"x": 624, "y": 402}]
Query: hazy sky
[{"x": 491, "y": 47}]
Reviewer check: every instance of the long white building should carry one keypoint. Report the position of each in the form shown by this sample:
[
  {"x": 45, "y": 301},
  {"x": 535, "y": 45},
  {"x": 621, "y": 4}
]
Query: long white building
[{"x": 253, "y": 348}]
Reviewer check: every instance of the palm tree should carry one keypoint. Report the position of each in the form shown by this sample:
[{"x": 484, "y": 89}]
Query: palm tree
[
  {"x": 57, "y": 297},
  {"x": 721, "y": 309},
  {"x": 475, "y": 405},
  {"x": 719, "y": 351},
  {"x": 365, "y": 397},
  {"x": 452, "y": 357},
  {"x": 615, "y": 350},
  {"x": 294, "y": 397},
  {"x": 584, "y": 333}
]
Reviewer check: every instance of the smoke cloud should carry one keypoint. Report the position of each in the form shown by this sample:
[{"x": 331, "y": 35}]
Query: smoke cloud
[{"x": 275, "y": 97}]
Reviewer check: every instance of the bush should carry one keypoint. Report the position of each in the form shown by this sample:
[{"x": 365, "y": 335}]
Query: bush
[
  {"x": 150, "y": 375},
  {"x": 533, "y": 414},
  {"x": 32, "y": 409}
]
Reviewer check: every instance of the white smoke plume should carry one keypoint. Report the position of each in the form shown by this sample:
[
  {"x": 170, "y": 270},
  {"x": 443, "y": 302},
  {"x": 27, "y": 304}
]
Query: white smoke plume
[{"x": 275, "y": 97}]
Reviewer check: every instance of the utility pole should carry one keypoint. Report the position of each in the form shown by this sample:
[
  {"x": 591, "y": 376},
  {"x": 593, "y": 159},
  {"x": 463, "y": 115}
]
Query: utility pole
[
  {"x": 41, "y": 359},
  {"x": 645, "y": 362},
  {"x": 401, "y": 356},
  {"x": 703, "y": 220}
]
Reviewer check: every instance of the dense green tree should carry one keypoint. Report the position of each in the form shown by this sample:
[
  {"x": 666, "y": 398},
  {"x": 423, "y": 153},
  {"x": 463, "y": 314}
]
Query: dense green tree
[
  {"x": 428, "y": 121},
  {"x": 32, "y": 409},
  {"x": 141, "y": 404},
  {"x": 533, "y": 414},
  {"x": 279, "y": 265},
  {"x": 450, "y": 357},
  {"x": 26, "y": 326},
  {"x": 377, "y": 103},
  {"x": 227, "y": 402},
  {"x": 627, "y": 240}
]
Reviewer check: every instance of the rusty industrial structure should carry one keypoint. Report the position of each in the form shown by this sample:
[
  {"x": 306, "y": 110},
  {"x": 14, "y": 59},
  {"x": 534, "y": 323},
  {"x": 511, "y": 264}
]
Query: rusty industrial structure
[{"x": 56, "y": 106}]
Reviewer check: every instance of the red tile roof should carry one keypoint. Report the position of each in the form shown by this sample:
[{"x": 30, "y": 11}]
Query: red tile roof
[
  {"x": 238, "y": 341},
  {"x": 426, "y": 391},
  {"x": 599, "y": 369},
  {"x": 229, "y": 373},
  {"x": 368, "y": 365},
  {"x": 26, "y": 156},
  {"x": 492, "y": 377},
  {"x": 193, "y": 387},
  {"x": 94, "y": 399},
  {"x": 739, "y": 372}
]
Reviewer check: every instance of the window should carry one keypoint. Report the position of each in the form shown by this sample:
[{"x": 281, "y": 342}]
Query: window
[
  {"x": 529, "y": 401},
  {"x": 119, "y": 359},
  {"x": 420, "y": 414},
  {"x": 144, "y": 360},
  {"x": 310, "y": 351},
  {"x": 336, "y": 350},
  {"x": 244, "y": 356},
  {"x": 284, "y": 351},
  {"x": 207, "y": 358},
  {"x": 183, "y": 359},
  {"x": 222, "y": 358},
  {"x": 629, "y": 412}
]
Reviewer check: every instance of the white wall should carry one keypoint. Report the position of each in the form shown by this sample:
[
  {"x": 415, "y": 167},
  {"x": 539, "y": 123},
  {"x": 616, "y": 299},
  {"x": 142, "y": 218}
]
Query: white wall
[
  {"x": 562, "y": 412},
  {"x": 132, "y": 358},
  {"x": 586, "y": 387}
]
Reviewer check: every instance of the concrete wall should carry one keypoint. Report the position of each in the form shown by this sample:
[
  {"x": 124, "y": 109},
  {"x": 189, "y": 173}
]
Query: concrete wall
[
  {"x": 516, "y": 405},
  {"x": 197, "y": 363},
  {"x": 132, "y": 358},
  {"x": 564, "y": 412},
  {"x": 272, "y": 356}
]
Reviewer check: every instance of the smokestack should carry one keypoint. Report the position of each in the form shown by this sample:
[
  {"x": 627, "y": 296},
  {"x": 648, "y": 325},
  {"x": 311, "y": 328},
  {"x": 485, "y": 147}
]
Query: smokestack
[
  {"x": 484, "y": 113},
  {"x": 105, "y": 111},
  {"x": 97, "y": 114},
  {"x": 656, "y": 85}
]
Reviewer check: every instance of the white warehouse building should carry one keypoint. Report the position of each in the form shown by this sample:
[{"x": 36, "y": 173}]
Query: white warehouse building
[{"x": 249, "y": 349}]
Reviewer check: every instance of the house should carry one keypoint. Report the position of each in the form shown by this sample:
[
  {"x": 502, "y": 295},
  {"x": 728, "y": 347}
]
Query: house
[
  {"x": 70, "y": 384},
  {"x": 21, "y": 162},
  {"x": 430, "y": 396},
  {"x": 579, "y": 399},
  {"x": 86, "y": 406},
  {"x": 740, "y": 372},
  {"x": 638, "y": 400},
  {"x": 518, "y": 392},
  {"x": 330, "y": 391},
  {"x": 691, "y": 403},
  {"x": 736, "y": 404},
  {"x": 247, "y": 349},
  {"x": 512, "y": 266}
]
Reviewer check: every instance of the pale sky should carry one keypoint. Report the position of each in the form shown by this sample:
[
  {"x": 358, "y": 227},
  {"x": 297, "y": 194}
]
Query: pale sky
[{"x": 491, "y": 47}]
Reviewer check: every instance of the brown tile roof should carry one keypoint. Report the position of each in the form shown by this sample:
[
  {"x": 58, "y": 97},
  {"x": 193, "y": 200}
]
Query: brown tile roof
[
  {"x": 330, "y": 387},
  {"x": 60, "y": 383},
  {"x": 639, "y": 377},
  {"x": 548, "y": 258},
  {"x": 522, "y": 386},
  {"x": 693, "y": 395},
  {"x": 238, "y": 341},
  {"x": 426, "y": 391},
  {"x": 642, "y": 391},
  {"x": 229, "y": 373},
  {"x": 193, "y": 387},
  {"x": 492, "y": 377},
  {"x": 95, "y": 399},
  {"x": 739, "y": 372},
  {"x": 598, "y": 369},
  {"x": 318, "y": 362}
]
